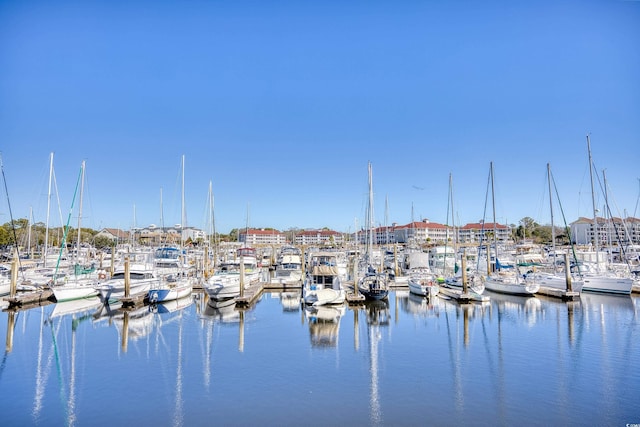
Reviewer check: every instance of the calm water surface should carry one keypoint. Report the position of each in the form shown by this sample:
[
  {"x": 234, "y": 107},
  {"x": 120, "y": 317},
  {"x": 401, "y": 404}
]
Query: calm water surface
[{"x": 512, "y": 361}]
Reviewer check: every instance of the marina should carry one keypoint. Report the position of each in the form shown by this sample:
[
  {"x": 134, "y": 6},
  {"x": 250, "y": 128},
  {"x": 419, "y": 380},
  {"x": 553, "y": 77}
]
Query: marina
[
  {"x": 259, "y": 358},
  {"x": 189, "y": 236}
]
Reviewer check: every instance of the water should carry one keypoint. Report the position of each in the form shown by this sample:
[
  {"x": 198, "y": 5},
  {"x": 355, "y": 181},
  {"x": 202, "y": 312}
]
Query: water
[{"x": 514, "y": 360}]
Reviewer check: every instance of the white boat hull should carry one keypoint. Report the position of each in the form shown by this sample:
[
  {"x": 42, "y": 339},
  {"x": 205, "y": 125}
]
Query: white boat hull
[
  {"x": 170, "y": 292},
  {"x": 428, "y": 289},
  {"x": 324, "y": 296},
  {"x": 555, "y": 281},
  {"x": 71, "y": 292},
  {"x": 510, "y": 285},
  {"x": 114, "y": 289},
  {"x": 607, "y": 284}
]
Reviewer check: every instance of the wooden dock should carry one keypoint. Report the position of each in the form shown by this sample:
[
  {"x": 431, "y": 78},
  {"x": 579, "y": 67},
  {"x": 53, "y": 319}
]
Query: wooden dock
[
  {"x": 250, "y": 295},
  {"x": 32, "y": 299},
  {"x": 355, "y": 298},
  {"x": 277, "y": 285},
  {"x": 133, "y": 301},
  {"x": 559, "y": 293},
  {"x": 462, "y": 297}
]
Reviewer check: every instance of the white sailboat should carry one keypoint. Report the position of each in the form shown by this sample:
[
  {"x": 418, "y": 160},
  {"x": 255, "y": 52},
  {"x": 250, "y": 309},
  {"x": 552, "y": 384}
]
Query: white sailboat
[
  {"x": 598, "y": 279},
  {"x": 506, "y": 281},
  {"x": 554, "y": 279},
  {"x": 176, "y": 277},
  {"x": 81, "y": 283}
]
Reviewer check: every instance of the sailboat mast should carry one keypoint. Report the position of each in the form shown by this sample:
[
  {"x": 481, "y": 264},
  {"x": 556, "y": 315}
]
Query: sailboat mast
[
  {"x": 46, "y": 231},
  {"x": 386, "y": 219},
  {"x": 183, "y": 214},
  {"x": 370, "y": 222},
  {"x": 80, "y": 213},
  {"x": 493, "y": 204},
  {"x": 553, "y": 230},
  {"x": 608, "y": 218},
  {"x": 212, "y": 225},
  {"x": 453, "y": 220},
  {"x": 29, "y": 231},
  {"x": 593, "y": 203}
]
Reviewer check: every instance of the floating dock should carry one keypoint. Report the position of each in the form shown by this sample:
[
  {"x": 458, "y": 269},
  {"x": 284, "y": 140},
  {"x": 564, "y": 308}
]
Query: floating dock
[
  {"x": 281, "y": 285},
  {"x": 32, "y": 299},
  {"x": 132, "y": 301},
  {"x": 559, "y": 293},
  {"x": 250, "y": 295},
  {"x": 462, "y": 297}
]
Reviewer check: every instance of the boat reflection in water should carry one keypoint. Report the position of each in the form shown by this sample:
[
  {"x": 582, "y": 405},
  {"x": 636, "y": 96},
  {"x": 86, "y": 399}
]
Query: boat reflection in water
[
  {"x": 378, "y": 318},
  {"x": 404, "y": 361},
  {"x": 171, "y": 306},
  {"x": 69, "y": 313},
  {"x": 132, "y": 324},
  {"x": 291, "y": 301},
  {"x": 76, "y": 306},
  {"x": 223, "y": 311},
  {"x": 516, "y": 308},
  {"x": 420, "y": 306},
  {"x": 324, "y": 323}
]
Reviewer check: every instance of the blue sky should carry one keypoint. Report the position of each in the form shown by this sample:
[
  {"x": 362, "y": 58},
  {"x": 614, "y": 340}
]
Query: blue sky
[{"x": 281, "y": 105}]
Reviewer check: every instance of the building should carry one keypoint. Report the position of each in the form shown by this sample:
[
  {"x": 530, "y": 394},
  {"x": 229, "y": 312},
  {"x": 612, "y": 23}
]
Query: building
[
  {"x": 322, "y": 237},
  {"x": 474, "y": 232},
  {"x": 115, "y": 234},
  {"x": 423, "y": 232},
  {"x": 257, "y": 237},
  {"x": 154, "y": 236},
  {"x": 609, "y": 231}
]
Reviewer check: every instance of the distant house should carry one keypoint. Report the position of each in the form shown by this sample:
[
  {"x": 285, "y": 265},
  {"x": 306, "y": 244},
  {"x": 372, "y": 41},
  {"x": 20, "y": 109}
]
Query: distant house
[
  {"x": 115, "y": 234},
  {"x": 154, "y": 235}
]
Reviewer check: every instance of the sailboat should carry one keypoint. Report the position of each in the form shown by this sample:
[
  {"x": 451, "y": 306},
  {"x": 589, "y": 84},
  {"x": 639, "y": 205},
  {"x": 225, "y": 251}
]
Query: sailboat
[
  {"x": 553, "y": 278},
  {"x": 373, "y": 285},
  {"x": 599, "y": 279},
  {"x": 82, "y": 283},
  {"x": 455, "y": 280},
  {"x": 506, "y": 281},
  {"x": 176, "y": 278}
]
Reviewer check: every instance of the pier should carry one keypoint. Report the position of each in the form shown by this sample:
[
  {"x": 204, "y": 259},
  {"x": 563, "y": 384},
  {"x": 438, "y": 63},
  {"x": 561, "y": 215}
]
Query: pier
[
  {"x": 22, "y": 300},
  {"x": 559, "y": 293},
  {"x": 31, "y": 299},
  {"x": 250, "y": 295},
  {"x": 461, "y": 296}
]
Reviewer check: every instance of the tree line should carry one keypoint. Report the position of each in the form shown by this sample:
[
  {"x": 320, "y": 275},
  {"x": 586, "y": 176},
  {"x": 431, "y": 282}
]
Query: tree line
[{"x": 34, "y": 236}]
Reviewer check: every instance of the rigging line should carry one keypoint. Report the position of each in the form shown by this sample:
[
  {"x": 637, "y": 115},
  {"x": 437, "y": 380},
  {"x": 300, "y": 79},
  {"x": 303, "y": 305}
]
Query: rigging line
[
  {"x": 63, "y": 395},
  {"x": 635, "y": 210},
  {"x": 13, "y": 225},
  {"x": 566, "y": 227},
  {"x": 608, "y": 211},
  {"x": 55, "y": 185},
  {"x": 484, "y": 215},
  {"x": 66, "y": 229}
]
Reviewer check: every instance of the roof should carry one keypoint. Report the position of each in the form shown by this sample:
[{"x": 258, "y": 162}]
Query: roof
[
  {"x": 487, "y": 226},
  {"x": 423, "y": 225},
  {"x": 318, "y": 233},
  {"x": 116, "y": 232},
  {"x": 260, "y": 231}
]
